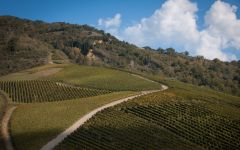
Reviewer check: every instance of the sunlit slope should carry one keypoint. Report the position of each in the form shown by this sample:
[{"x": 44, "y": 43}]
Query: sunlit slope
[
  {"x": 103, "y": 78},
  {"x": 85, "y": 76},
  {"x": 35, "y": 124},
  {"x": 45, "y": 91}
]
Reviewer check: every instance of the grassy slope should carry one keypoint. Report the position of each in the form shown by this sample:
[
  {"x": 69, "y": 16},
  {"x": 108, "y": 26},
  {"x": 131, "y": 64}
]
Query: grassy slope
[
  {"x": 103, "y": 78},
  {"x": 86, "y": 76},
  {"x": 1, "y": 113},
  {"x": 33, "y": 125},
  {"x": 30, "y": 130},
  {"x": 121, "y": 125}
]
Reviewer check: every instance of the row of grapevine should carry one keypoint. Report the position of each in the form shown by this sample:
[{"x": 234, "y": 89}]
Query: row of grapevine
[
  {"x": 112, "y": 130},
  {"x": 45, "y": 91},
  {"x": 150, "y": 124},
  {"x": 193, "y": 123}
]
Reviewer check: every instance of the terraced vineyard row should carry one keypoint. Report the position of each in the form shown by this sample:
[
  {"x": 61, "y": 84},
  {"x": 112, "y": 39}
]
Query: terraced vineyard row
[
  {"x": 154, "y": 121},
  {"x": 128, "y": 132},
  {"x": 45, "y": 91},
  {"x": 193, "y": 123}
]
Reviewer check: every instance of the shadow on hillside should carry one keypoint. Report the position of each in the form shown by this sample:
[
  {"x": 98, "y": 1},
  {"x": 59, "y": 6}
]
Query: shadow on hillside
[
  {"x": 33, "y": 140},
  {"x": 128, "y": 137}
]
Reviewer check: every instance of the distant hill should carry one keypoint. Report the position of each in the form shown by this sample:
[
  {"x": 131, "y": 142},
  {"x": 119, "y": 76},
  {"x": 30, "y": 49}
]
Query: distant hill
[{"x": 25, "y": 44}]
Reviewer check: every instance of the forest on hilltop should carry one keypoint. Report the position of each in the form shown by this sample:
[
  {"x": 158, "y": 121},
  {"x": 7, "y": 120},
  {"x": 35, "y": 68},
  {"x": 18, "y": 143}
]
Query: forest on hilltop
[{"x": 25, "y": 44}]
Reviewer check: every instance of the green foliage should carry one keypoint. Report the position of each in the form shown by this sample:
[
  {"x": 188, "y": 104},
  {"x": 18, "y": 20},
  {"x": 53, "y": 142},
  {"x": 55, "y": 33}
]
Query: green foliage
[
  {"x": 119, "y": 130},
  {"x": 170, "y": 51},
  {"x": 161, "y": 50},
  {"x": 183, "y": 117},
  {"x": 85, "y": 48},
  {"x": 45, "y": 91}
]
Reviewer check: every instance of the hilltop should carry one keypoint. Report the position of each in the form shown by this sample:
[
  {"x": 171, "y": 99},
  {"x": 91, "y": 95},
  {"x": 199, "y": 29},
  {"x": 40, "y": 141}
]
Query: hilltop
[{"x": 26, "y": 44}]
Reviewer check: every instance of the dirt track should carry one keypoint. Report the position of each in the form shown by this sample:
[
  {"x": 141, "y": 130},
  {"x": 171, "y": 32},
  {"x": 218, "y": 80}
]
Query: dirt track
[
  {"x": 54, "y": 142},
  {"x": 5, "y": 122},
  {"x": 5, "y": 131}
]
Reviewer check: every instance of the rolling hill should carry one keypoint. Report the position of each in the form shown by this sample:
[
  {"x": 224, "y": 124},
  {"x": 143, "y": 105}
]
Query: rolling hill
[
  {"x": 25, "y": 43},
  {"x": 56, "y": 73},
  {"x": 65, "y": 93},
  {"x": 181, "y": 117}
]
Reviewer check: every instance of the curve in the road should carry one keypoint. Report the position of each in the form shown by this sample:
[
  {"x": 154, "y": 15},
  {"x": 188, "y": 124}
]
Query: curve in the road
[
  {"x": 5, "y": 122},
  {"x": 5, "y": 131},
  {"x": 54, "y": 142}
]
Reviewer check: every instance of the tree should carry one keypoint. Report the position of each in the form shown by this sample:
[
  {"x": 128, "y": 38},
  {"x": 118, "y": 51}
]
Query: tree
[
  {"x": 170, "y": 51},
  {"x": 161, "y": 50},
  {"x": 186, "y": 53},
  {"x": 216, "y": 60},
  {"x": 77, "y": 44},
  {"x": 85, "y": 48},
  {"x": 12, "y": 44},
  {"x": 147, "y": 47}
]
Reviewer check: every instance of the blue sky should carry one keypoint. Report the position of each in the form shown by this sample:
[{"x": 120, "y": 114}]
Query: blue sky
[
  {"x": 131, "y": 13},
  {"x": 89, "y": 11}
]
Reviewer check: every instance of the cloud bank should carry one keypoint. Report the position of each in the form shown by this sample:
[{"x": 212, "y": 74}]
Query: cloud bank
[
  {"x": 174, "y": 24},
  {"x": 111, "y": 25}
]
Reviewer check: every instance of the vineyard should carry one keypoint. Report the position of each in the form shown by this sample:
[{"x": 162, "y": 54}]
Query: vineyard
[
  {"x": 189, "y": 122},
  {"x": 31, "y": 122},
  {"x": 161, "y": 120},
  {"x": 45, "y": 91}
]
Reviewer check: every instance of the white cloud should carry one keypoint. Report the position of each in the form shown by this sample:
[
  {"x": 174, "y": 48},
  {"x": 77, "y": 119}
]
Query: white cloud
[
  {"x": 210, "y": 47},
  {"x": 222, "y": 21},
  {"x": 175, "y": 25},
  {"x": 111, "y": 25},
  {"x": 174, "y": 22},
  {"x": 222, "y": 31}
]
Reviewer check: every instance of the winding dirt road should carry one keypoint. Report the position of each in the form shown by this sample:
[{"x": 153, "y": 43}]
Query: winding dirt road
[
  {"x": 5, "y": 122},
  {"x": 5, "y": 131},
  {"x": 54, "y": 142}
]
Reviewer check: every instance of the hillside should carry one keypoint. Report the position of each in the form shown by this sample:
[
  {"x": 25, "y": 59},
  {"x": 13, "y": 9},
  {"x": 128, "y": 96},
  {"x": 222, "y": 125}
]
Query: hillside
[
  {"x": 65, "y": 94},
  {"x": 25, "y": 43},
  {"x": 184, "y": 116}
]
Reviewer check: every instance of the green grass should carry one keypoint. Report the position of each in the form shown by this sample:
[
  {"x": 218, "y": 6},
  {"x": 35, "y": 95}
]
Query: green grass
[
  {"x": 182, "y": 117},
  {"x": 85, "y": 76},
  {"x": 1, "y": 114},
  {"x": 45, "y": 91},
  {"x": 33, "y": 125},
  {"x": 102, "y": 78}
]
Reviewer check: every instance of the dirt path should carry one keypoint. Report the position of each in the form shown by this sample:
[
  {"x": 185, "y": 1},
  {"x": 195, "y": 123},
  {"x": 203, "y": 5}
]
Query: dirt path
[
  {"x": 5, "y": 131},
  {"x": 7, "y": 112},
  {"x": 54, "y": 142}
]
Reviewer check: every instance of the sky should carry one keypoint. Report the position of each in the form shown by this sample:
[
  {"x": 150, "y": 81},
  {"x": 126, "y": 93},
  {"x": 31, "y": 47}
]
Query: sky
[{"x": 210, "y": 28}]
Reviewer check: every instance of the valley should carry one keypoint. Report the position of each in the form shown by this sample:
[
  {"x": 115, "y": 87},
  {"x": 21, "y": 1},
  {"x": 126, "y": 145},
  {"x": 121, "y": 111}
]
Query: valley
[{"x": 68, "y": 86}]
